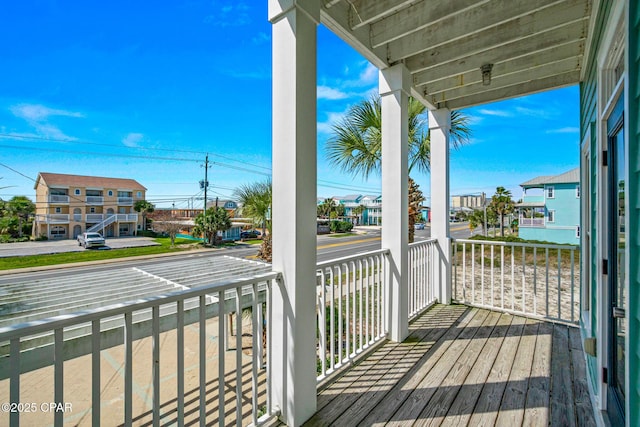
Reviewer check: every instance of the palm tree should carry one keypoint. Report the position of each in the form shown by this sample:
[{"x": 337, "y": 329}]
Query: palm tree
[
  {"x": 210, "y": 222},
  {"x": 20, "y": 207},
  {"x": 356, "y": 146},
  {"x": 502, "y": 204},
  {"x": 144, "y": 207},
  {"x": 256, "y": 204},
  {"x": 325, "y": 208},
  {"x": 358, "y": 211}
]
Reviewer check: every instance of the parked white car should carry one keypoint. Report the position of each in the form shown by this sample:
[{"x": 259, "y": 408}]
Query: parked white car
[{"x": 90, "y": 240}]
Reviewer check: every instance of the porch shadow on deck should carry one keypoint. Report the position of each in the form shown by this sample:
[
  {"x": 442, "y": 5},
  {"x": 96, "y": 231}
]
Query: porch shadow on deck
[{"x": 466, "y": 366}]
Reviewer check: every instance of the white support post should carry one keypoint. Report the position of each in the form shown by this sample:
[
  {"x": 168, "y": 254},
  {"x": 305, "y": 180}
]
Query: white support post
[
  {"x": 293, "y": 324},
  {"x": 439, "y": 128},
  {"x": 395, "y": 84}
]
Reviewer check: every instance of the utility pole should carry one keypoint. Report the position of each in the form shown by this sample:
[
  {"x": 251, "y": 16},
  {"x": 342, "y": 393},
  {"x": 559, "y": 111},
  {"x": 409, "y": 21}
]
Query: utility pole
[{"x": 204, "y": 184}]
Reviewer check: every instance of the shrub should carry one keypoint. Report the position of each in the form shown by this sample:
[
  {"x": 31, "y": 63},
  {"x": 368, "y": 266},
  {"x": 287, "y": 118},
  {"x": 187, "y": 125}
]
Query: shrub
[{"x": 341, "y": 226}]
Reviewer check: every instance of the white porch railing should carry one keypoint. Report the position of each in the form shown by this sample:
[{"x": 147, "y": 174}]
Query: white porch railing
[
  {"x": 422, "y": 257},
  {"x": 351, "y": 308},
  {"x": 530, "y": 222},
  {"x": 58, "y": 198},
  {"x": 95, "y": 200},
  {"x": 535, "y": 280},
  {"x": 227, "y": 387},
  {"x": 125, "y": 201},
  {"x": 53, "y": 218}
]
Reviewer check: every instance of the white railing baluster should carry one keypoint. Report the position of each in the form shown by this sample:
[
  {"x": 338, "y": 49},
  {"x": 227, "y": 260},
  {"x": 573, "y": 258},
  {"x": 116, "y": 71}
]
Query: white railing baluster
[
  {"x": 559, "y": 289},
  {"x": 128, "y": 368},
  {"x": 14, "y": 384},
  {"x": 202, "y": 355},
  {"x": 180, "y": 361},
  {"x": 256, "y": 341},
  {"x": 464, "y": 272},
  {"x": 473, "y": 273},
  {"x": 340, "y": 314},
  {"x": 535, "y": 282},
  {"x": 482, "y": 273},
  {"x": 492, "y": 269},
  {"x": 221, "y": 350},
  {"x": 513, "y": 276},
  {"x": 501, "y": 276},
  {"x": 155, "y": 363},
  {"x": 572, "y": 285},
  {"x": 546, "y": 275},
  {"x": 239, "y": 366},
  {"x": 332, "y": 331},
  {"x": 58, "y": 362},
  {"x": 95, "y": 373}
]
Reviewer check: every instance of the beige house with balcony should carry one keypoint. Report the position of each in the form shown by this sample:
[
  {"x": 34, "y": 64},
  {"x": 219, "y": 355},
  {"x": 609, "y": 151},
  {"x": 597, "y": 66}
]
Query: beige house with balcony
[{"x": 68, "y": 205}]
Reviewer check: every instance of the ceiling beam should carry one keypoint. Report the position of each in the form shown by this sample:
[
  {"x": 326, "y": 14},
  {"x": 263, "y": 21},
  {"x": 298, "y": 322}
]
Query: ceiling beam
[
  {"x": 437, "y": 80},
  {"x": 473, "y": 52},
  {"x": 541, "y": 72},
  {"x": 364, "y": 12},
  {"x": 417, "y": 17},
  {"x": 337, "y": 20},
  {"x": 522, "y": 89},
  {"x": 461, "y": 25}
]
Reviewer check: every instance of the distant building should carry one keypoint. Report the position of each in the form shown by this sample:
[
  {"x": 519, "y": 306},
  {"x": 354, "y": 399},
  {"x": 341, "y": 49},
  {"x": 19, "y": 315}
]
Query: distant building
[
  {"x": 471, "y": 201},
  {"x": 371, "y": 208},
  {"x": 550, "y": 208},
  {"x": 68, "y": 205}
]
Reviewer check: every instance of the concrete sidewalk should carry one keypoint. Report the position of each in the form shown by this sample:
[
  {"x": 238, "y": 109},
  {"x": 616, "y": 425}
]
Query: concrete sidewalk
[{"x": 69, "y": 245}]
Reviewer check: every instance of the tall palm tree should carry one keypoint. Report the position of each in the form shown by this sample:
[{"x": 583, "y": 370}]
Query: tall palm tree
[
  {"x": 144, "y": 207},
  {"x": 256, "y": 204},
  {"x": 356, "y": 146},
  {"x": 21, "y": 207},
  {"x": 502, "y": 203}
]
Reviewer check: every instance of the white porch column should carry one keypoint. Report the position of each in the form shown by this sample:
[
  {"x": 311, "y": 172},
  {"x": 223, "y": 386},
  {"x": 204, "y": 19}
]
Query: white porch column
[
  {"x": 439, "y": 128},
  {"x": 395, "y": 84},
  {"x": 294, "y": 207}
]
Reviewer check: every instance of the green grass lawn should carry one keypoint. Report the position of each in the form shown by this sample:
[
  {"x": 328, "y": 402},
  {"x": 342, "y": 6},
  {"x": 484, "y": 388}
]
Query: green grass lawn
[
  {"x": 342, "y": 234},
  {"x": 96, "y": 255}
]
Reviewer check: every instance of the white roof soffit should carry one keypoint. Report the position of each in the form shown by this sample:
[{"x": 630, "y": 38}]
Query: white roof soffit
[{"x": 533, "y": 45}]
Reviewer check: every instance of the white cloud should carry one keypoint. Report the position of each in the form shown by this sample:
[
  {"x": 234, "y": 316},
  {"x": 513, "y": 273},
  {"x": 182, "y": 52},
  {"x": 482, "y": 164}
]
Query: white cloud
[
  {"x": 568, "y": 129},
  {"x": 326, "y": 92},
  {"x": 261, "y": 38},
  {"x": 37, "y": 112},
  {"x": 37, "y": 116},
  {"x": 369, "y": 75},
  {"x": 326, "y": 127},
  {"x": 133, "y": 139},
  {"x": 230, "y": 14},
  {"x": 497, "y": 113},
  {"x": 541, "y": 113}
]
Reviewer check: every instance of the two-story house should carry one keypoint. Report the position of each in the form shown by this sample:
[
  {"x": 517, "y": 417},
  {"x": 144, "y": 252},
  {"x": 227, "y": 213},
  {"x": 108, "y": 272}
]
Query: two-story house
[
  {"x": 369, "y": 214},
  {"x": 68, "y": 205},
  {"x": 550, "y": 208}
]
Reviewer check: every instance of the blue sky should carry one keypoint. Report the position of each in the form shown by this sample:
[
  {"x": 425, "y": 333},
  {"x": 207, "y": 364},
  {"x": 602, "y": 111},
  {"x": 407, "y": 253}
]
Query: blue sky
[{"x": 121, "y": 89}]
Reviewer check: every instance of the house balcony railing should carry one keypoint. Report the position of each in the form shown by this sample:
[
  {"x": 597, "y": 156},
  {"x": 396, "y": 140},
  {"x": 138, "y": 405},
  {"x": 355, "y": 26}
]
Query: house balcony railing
[
  {"x": 535, "y": 280},
  {"x": 125, "y": 201},
  {"x": 96, "y": 218},
  {"x": 95, "y": 200},
  {"x": 58, "y": 199},
  {"x": 53, "y": 218},
  {"x": 182, "y": 337},
  {"x": 530, "y": 222}
]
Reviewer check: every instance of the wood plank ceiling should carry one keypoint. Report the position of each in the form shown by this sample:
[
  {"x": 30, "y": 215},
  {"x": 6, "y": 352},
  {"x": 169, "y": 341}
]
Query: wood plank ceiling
[{"x": 529, "y": 45}]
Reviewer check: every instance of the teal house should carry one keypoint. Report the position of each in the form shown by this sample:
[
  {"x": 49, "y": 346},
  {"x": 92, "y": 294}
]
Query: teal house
[
  {"x": 610, "y": 210},
  {"x": 550, "y": 208}
]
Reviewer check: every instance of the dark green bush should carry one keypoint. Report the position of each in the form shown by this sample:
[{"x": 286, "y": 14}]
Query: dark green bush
[{"x": 341, "y": 226}]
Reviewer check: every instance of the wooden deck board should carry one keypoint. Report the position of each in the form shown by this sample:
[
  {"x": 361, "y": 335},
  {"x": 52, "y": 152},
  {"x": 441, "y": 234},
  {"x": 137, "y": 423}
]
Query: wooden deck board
[
  {"x": 481, "y": 368},
  {"x": 461, "y": 409}
]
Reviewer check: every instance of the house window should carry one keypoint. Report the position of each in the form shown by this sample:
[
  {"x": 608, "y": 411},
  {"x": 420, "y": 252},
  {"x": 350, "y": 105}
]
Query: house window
[
  {"x": 550, "y": 192},
  {"x": 77, "y": 192},
  {"x": 578, "y": 192},
  {"x": 139, "y": 194},
  {"x": 110, "y": 193},
  {"x": 92, "y": 210},
  {"x": 551, "y": 216},
  {"x": 578, "y": 232},
  {"x": 58, "y": 210}
]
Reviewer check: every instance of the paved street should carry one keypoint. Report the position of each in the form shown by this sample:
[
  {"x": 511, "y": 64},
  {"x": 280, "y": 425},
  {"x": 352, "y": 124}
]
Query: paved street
[{"x": 57, "y": 246}]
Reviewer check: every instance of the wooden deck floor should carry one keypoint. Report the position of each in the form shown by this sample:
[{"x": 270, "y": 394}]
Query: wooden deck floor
[{"x": 466, "y": 367}]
